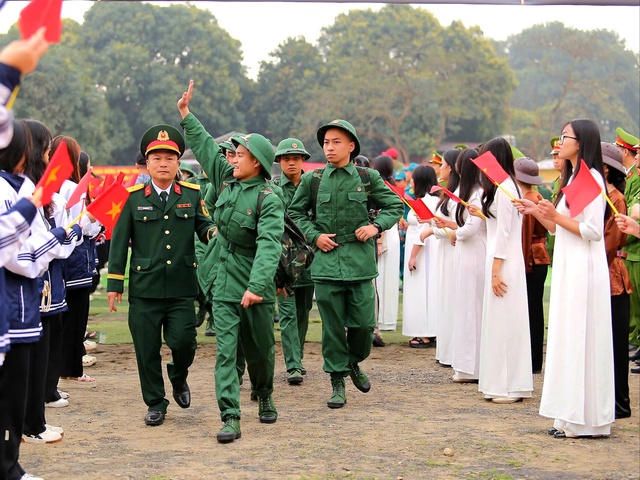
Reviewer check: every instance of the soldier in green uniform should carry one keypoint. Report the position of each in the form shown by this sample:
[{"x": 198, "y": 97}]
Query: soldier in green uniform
[
  {"x": 250, "y": 221},
  {"x": 345, "y": 261},
  {"x": 159, "y": 219},
  {"x": 294, "y": 310},
  {"x": 627, "y": 144}
]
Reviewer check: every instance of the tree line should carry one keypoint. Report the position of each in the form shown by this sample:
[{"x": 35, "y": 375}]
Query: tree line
[{"x": 402, "y": 78}]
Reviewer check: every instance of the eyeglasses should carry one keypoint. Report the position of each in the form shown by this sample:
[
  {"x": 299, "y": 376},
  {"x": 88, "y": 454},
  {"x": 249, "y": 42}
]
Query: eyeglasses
[{"x": 562, "y": 137}]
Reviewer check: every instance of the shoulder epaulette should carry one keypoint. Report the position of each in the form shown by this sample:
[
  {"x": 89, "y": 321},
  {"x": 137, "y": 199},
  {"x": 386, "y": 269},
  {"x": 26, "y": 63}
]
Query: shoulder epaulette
[
  {"x": 192, "y": 186},
  {"x": 135, "y": 188}
]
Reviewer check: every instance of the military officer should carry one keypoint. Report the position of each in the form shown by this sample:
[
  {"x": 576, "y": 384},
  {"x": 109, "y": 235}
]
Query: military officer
[
  {"x": 159, "y": 219},
  {"x": 627, "y": 144},
  {"x": 250, "y": 221},
  {"x": 294, "y": 310},
  {"x": 340, "y": 195}
]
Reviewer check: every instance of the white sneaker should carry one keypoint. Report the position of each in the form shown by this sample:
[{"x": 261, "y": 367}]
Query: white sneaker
[
  {"x": 62, "y": 402},
  {"x": 26, "y": 476},
  {"x": 51, "y": 428},
  {"x": 90, "y": 346},
  {"x": 62, "y": 394},
  {"x": 88, "y": 360},
  {"x": 45, "y": 437}
]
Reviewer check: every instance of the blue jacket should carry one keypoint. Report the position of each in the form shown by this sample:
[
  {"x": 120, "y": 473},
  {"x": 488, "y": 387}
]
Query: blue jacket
[{"x": 80, "y": 267}]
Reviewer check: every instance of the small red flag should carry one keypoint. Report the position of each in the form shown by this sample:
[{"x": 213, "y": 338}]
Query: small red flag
[
  {"x": 397, "y": 190},
  {"x": 489, "y": 165},
  {"x": 582, "y": 190},
  {"x": 108, "y": 206},
  {"x": 120, "y": 177},
  {"x": 80, "y": 190},
  {"x": 59, "y": 169},
  {"x": 42, "y": 13},
  {"x": 437, "y": 188},
  {"x": 420, "y": 209},
  {"x": 131, "y": 182},
  {"x": 108, "y": 180},
  {"x": 94, "y": 187}
]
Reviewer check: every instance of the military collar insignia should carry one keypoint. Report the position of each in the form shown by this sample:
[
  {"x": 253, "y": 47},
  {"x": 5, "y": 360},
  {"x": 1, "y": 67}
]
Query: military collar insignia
[
  {"x": 177, "y": 188},
  {"x": 147, "y": 190}
]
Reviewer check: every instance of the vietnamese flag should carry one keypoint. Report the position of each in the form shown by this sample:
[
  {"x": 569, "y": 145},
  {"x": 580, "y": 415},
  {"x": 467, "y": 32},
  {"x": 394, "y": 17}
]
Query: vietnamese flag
[
  {"x": 582, "y": 190},
  {"x": 94, "y": 184},
  {"x": 131, "y": 182},
  {"x": 420, "y": 209},
  {"x": 59, "y": 169},
  {"x": 455, "y": 198},
  {"x": 489, "y": 165},
  {"x": 108, "y": 206},
  {"x": 397, "y": 190},
  {"x": 42, "y": 13},
  {"x": 80, "y": 190},
  {"x": 120, "y": 177},
  {"x": 108, "y": 180}
]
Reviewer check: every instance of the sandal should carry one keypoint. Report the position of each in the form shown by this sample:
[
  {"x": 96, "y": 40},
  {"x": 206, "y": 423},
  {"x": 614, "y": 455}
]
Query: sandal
[
  {"x": 417, "y": 342},
  {"x": 83, "y": 380},
  {"x": 90, "y": 336}
]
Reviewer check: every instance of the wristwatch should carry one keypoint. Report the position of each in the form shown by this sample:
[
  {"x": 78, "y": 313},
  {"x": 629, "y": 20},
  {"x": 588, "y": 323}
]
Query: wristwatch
[{"x": 377, "y": 225}]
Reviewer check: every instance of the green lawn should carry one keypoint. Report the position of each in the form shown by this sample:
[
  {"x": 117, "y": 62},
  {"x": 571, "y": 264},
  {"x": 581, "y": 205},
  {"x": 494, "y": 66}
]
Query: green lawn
[{"x": 114, "y": 325}]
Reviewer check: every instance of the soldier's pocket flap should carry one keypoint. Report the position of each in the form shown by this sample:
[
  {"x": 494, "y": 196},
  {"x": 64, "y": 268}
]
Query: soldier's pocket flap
[
  {"x": 140, "y": 263},
  {"x": 185, "y": 212},
  {"x": 324, "y": 197},
  {"x": 145, "y": 215},
  {"x": 243, "y": 220},
  {"x": 191, "y": 261},
  {"x": 357, "y": 196}
]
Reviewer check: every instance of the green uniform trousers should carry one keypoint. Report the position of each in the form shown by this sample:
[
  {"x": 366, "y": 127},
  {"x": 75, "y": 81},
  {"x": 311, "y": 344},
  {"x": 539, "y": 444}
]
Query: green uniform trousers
[
  {"x": 350, "y": 305},
  {"x": 149, "y": 319},
  {"x": 634, "y": 320},
  {"x": 294, "y": 323},
  {"x": 253, "y": 328}
]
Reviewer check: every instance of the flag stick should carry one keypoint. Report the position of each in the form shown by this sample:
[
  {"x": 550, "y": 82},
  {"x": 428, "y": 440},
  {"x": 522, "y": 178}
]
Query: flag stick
[
  {"x": 479, "y": 212},
  {"x": 609, "y": 202},
  {"x": 76, "y": 219},
  {"x": 445, "y": 230},
  {"x": 505, "y": 191}
]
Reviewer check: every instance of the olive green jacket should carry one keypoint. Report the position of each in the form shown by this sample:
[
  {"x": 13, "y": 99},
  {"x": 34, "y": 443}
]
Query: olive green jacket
[
  {"x": 342, "y": 208},
  {"x": 632, "y": 196},
  {"x": 246, "y": 250},
  {"x": 163, "y": 260}
]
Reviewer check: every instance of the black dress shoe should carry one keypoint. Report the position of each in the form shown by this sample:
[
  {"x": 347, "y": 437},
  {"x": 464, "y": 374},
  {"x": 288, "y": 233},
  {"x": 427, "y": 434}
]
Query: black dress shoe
[
  {"x": 182, "y": 395},
  {"x": 154, "y": 418},
  {"x": 635, "y": 370},
  {"x": 634, "y": 356}
]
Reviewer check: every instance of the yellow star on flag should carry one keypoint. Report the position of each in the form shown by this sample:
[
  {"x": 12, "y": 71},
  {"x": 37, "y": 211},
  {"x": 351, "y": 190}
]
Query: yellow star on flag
[
  {"x": 116, "y": 208},
  {"x": 52, "y": 176}
]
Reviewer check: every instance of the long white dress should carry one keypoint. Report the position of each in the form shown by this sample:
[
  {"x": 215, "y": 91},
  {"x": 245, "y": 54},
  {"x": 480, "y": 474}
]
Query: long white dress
[
  {"x": 505, "y": 348},
  {"x": 447, "y": 289},
  {"x": 388, "y": 280},
  {"x": 415, "y": 304},
  {"x": 578, "y": 388},
  {"x": 469, "y": 263}
]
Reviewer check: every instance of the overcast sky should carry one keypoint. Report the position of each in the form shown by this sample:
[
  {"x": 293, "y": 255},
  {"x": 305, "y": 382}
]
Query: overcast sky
[{"x": 263, "y": 26}]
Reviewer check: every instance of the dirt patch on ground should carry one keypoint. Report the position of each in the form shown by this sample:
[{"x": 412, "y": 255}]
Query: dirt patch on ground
[{"x": 400, "y": 429}]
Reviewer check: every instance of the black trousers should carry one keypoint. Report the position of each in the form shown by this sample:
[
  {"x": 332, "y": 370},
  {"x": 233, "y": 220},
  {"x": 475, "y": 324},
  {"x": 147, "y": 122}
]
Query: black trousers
[
  {"x": 14, "y": 383},
  {"x": 620, "y": 314},
  {"x": 74, "y": 326},
  {"x": 34, "y": 422},
  {"x": 535, "y": 292},
  {"x": 55, "y": 355}
]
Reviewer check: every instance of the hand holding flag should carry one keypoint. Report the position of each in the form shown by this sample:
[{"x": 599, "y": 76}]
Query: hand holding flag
[
  {"x": 59, "y": 169},
  {"x": 455, "y": 198},
  {"x": 42, "y": 13}
]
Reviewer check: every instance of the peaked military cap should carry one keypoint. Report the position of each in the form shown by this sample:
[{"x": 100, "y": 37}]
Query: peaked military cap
[
  {"x": 162, "y": 137},
  {"x": 343, "y": 125},
  {"x": 436, "y": 158},
  {"x": 625, "y": 140},
  {"x": 555, "y": 146}
]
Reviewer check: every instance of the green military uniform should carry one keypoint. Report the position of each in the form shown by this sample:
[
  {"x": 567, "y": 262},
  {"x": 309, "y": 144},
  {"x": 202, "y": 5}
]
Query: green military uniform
[
  {"x": 204, "y": 307},
  {"x": 342, "y": 276},
  {"x": 632, "y": 249},
  {"x": 244, "y": 257},
  {"x": 294, "y": 310},
  {"x": 162, "y": 273}
]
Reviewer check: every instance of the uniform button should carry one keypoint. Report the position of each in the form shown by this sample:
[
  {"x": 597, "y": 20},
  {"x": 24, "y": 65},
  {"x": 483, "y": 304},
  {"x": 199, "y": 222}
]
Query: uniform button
[
  {"x": 195, "y": 264},
  {"x": 168, "y": 262},
  {"x": 166, "y": 217},
  {"x": 186, "y": 216},
  {"x": 138, "y": 267},
  {"x": 144, "y": 218},
  {"x": 168, "y": 247},
  {"x": 166, "y": 232}
]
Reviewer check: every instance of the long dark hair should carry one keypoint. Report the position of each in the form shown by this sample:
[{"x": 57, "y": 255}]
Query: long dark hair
[
  {"x": 424, "y": 177},
  {"x": 384, "y": 165},
  {"x": 74, "y": 153},
  {"x": 469, "y": 180},
  {"x": 19, "y": 147},
  {"x": 502, "y": 151},
  {"x": 589, "y": 150},
  {"x": 41, "y": 141},
  {"x": 450, "y": 156},
  {"x": 617, "y": 179}
]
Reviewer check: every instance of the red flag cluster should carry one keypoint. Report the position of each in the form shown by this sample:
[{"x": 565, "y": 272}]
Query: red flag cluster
[{"x": 108, "y": 206}]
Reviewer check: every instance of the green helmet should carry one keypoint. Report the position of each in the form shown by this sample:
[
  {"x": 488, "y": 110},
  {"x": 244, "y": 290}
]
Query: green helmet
[
  {"x": 184, "y": 166},
  {"x": 344, "y": 125},
  {"x": 291, "y": 146},
  {"x": 260, "y": 147}
]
